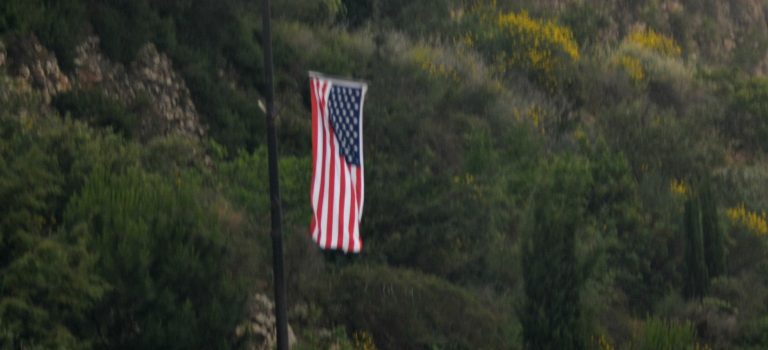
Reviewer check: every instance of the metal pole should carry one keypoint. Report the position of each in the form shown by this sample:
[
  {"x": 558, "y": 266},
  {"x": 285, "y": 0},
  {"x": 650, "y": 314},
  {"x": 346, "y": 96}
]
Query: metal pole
[{"x": 274, "y": 186}]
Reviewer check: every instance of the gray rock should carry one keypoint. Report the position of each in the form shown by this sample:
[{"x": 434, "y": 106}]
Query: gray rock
[{"x": 258, "y": 331}]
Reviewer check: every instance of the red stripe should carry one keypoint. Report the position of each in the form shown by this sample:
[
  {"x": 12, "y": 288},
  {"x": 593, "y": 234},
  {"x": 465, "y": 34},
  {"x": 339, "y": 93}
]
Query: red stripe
[
  {"x": 359, "y": 189},
  {"x": 321, "y": 203},
  {"x": 327, "y": 179},
  {"x": 342, "y": 198},
  {"x": 313, "y": 91}
]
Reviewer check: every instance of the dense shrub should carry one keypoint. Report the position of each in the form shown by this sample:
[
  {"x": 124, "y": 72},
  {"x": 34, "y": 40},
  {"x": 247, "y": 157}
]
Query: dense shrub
[
  {"x": 123, "y": 26},
  {"x": 159, "y": 247},
  {"x": 404, "y": 309},
  {"x": 48, "y": 284},
  {"x": 662, "y": 334},
  {"x": 99, "y": 110},
  {"x": 747, "y": 121},
  {"x": 551, "y": 315},
  {"x": 515, "y": 42}
]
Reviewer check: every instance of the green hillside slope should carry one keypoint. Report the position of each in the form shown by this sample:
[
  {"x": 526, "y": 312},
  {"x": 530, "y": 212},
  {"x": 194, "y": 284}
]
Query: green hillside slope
[{"x": 539, "y": 174}]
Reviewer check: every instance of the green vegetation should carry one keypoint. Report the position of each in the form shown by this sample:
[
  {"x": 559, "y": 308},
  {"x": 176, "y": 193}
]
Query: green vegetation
[
  {"x": 537, "y": 177},
  {"x": 552, "y": 308}
]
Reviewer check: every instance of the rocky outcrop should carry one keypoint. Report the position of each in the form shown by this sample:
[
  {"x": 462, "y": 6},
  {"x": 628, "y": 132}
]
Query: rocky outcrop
[
  {"x": 258, "y": 332},
  {"x": 2, "y": 54},
  {"x": 149, "y": 79},
  {"x": 150, "y": 76},
  {"x": 37, "y": 68}
]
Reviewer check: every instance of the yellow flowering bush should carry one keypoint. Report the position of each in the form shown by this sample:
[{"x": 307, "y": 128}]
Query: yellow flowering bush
[
  {"x": 646, "y": 53},
  {"x": 632, "y": 66},
  {"x": 428, "y": 61},
  {"x": 656, "y": 42},
  {"x": 363, "y": 340},
  {"x": 515, "y": 41},
  {"x": 603, "y": 343},
  {"x": 757, "y": 223},
  {"x": 679, "y": 188},
  {"x": 533, "y": 114}
]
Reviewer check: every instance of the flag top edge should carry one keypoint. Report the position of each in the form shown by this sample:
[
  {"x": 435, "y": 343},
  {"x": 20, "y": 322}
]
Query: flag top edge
[{"x": 339, "y": 80}]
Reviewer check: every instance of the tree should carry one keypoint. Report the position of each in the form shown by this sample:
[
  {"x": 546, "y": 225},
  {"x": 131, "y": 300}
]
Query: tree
[
  {"x": 160, "y": 248},
  {"x": 48, "y": 284},
  {"x": 551, "y": 313},
  {"x": 714, "y": 241},
  {"x": 697, "y": 277},
  {"x": 705, "y": 246}
]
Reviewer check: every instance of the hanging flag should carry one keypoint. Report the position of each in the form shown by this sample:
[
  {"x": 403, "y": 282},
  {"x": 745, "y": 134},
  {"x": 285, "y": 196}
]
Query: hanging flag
[{"x": 337, "y": 162}]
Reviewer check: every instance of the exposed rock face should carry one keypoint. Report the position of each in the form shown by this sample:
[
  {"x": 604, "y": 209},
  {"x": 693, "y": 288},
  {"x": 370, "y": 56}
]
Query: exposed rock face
[
  {"x": 258, "y": 331},
  {"x": 38, "y": 68},
  {"x": 150, "y": 79},
  {"x": 2, "y": 54}
]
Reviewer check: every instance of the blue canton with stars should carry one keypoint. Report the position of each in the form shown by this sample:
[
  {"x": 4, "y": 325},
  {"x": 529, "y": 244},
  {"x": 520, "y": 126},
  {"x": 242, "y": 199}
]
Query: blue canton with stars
[{"x": 344, "y": 111}]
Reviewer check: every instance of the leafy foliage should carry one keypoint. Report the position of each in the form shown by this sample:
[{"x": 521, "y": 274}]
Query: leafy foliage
[
  {"x": 664, "y": 334},
  {"x": 163, "y": 256},
  {"x": 100, "y": 111},
  {"x": 552, "y": 310},
  {"x": 404, "y": 309},
  {"x": 541, "y": 48}
]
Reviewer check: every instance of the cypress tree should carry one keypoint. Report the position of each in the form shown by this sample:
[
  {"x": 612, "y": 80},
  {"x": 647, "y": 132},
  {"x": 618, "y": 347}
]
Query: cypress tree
[
  {"x": 552, "y": 311},
  {"x": 714, "y": 242},
  {"x": 697, "y": 281}
]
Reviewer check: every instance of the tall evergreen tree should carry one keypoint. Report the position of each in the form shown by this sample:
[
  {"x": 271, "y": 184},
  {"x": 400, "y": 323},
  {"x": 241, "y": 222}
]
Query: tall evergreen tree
[
  {"x": 714, "y": 241},
  {"x": 552, "y": 283},
  {"x": 697, "y": 277}
]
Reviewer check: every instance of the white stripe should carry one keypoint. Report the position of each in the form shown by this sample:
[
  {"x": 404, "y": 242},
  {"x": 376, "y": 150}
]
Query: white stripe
[
  {"x": 356, "y": 234},
  {"x": 327, "y": 161}
]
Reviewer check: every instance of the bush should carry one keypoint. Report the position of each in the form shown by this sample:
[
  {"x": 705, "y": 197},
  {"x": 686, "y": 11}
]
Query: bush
[
  {"x": 49, "y": 284},
  {"x": 747, "y": 122},
  {"x": 159, "y": 247},
  {"x": 515, "y": 42},
  {"x": 659, "y": 334},
  {"x": 754, "y": 335},
  {"x": 101, "y": 111},
  {"x": 551, "y": 314},
  {"x": 404, "y": 309},
  {"x": 586, "y": 21},
  {"x": 123, "y": 26},
  {"x": 60, "y": 25}
]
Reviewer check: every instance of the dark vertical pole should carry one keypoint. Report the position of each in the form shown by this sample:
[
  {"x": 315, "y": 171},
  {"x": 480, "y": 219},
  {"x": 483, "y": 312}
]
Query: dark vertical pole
[{"x": 274, "y": 185}]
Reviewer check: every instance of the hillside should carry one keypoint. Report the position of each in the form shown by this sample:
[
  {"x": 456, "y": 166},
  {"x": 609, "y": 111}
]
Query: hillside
[{"x": 559, "y": 174}]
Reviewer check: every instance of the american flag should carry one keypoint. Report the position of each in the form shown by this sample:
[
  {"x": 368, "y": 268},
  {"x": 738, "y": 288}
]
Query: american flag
[{"x": 337, "y": 162}]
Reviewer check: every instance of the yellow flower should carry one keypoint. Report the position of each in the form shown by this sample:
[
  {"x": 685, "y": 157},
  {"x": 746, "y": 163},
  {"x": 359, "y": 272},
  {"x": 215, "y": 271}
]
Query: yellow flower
[
  {"x": 757, "y": 223},
  {"x": 518, "y": 41},
  {"x": 652, "y": 40},
  {"x": 363, "y": 340},
  {"x": 678, "y": 187},
  {"x": 632, "y": 66}
]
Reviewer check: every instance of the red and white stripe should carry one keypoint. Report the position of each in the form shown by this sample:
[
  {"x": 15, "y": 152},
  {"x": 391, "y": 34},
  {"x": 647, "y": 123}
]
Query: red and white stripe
[{"x": 337, "y": 187}]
